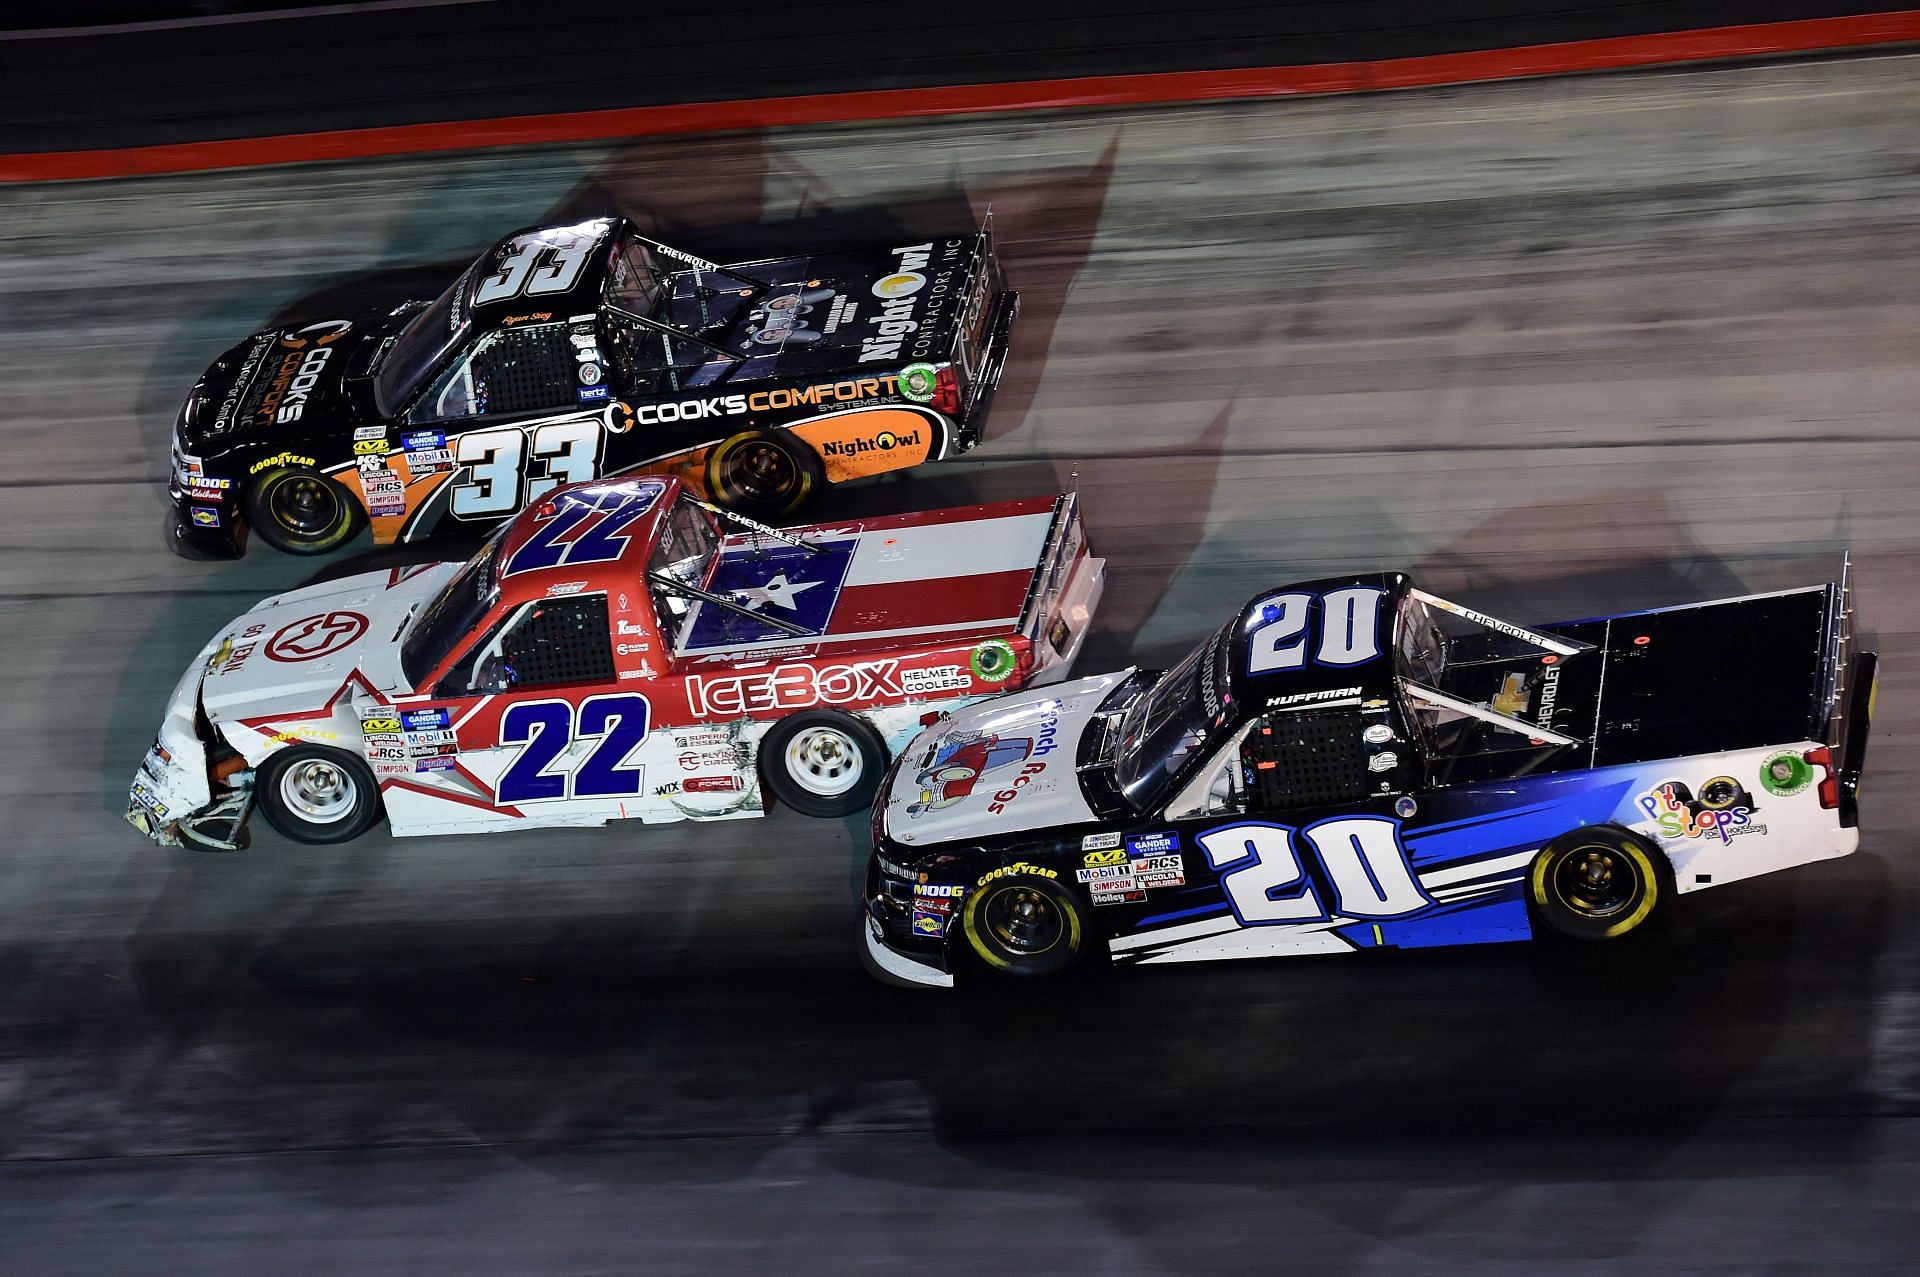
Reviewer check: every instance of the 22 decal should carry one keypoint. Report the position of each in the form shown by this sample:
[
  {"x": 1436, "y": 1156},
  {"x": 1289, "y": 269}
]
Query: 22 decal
[
  {"x": 601, "y": 543},
  {"x": 544, "y": 729},
  {"x": 1265, "y": 880},
  {"x": 1349, "y": 629}
]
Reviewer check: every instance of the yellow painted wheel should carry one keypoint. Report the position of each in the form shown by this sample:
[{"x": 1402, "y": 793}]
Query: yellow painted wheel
[
  {"x": 1596, "y": 884},
  {"x": 769, "y": 473},
  {"x": 302, "y": 511},
  {"x": 1024, "y": 925}
]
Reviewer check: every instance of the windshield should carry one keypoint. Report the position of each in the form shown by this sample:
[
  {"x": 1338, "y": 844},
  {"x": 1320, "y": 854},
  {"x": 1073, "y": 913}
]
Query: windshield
[
  {"x": 419, "y": 346},
  {"x": 453, "y": 613},
  {"x": 1172, "y": 720},
  {"x": 684, "y": 552}
]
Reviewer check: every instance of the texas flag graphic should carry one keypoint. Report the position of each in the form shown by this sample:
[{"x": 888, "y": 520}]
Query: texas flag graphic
[
  {"x": 899, "y": 580},
  {"x": 784, "y": 582}
]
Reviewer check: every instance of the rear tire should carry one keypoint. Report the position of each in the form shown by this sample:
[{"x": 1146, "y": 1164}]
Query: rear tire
[
  {"x": 769, "y": 474},
  {"x": 1024, "y": 926},
  {"x": 317, "y": 795},
  {"x": 301, "y": 511},
  {"x": 823, "y": 763},
  {"x": 1598, "y": 883}
]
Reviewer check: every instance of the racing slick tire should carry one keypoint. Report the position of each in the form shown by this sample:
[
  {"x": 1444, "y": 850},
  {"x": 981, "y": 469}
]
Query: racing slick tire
[
  {"x": 1597, "y": 883},
  {"x": 313, "y": 794},
  {"x": 301, "y": 511},
  {"x": 821, "y": 762},
  {"x": 1025, "y": 926},
  {"x": 766, "y": 473}
]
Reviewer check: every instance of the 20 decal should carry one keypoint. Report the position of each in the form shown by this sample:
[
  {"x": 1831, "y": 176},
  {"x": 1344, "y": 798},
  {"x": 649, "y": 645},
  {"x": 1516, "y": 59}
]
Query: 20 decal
[
  {"x": 1349, "y": 628},
  {"x": 1266, "y": 882},
  {"x": 545, "y": 729},
  {"x": 497, "y": 465}
]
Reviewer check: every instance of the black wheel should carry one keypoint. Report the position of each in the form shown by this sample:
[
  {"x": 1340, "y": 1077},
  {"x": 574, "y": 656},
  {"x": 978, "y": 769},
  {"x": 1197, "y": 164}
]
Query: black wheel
[
  {"x": 1025, "y": 925},
  {"x": 823, "y": 763},
  {"x": 317, "y": 795},
  {"x": 1597, "y": 884},
  {"x": 763, "y": 472},
  {"x": 301, "y": 511}
]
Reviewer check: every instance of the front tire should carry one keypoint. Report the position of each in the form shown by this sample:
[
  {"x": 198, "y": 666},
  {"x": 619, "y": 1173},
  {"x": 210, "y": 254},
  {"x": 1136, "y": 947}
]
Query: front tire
[
  {"x": 1598, "y": 883},
  {"x": 823, "y": 763},
  {"x": 317, "y": 795},
  {"x": 766, "y": 473},
  {"x": 1025, "y": 926},
  {"x": 301, "y": 511}
]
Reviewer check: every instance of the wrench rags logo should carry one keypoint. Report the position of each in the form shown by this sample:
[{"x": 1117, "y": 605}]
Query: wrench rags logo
[
  {"x": 313, "y": 637},
  {"x": 962, "y": 759}
]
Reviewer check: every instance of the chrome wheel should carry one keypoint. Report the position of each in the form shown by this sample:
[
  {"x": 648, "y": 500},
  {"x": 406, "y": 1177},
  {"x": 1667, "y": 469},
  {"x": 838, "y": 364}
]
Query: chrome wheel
[
  {"x": 824, "y": 761},
  {"x": 318, "y": 791}
]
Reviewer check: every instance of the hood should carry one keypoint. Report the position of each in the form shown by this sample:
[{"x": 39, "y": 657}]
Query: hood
[
  {"x": 835, "y": 311},
  {"x": 998, "y": 767},
  {"x": 282, "y": 381},
  {"x": 294, "y": 652}
]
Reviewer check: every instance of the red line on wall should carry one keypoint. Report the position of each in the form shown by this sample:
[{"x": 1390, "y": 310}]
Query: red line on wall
[{"x": 1613, "y": 53}]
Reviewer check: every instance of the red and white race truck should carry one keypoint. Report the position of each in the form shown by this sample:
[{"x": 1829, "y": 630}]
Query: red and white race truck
[{"x": 614, "y": 653}]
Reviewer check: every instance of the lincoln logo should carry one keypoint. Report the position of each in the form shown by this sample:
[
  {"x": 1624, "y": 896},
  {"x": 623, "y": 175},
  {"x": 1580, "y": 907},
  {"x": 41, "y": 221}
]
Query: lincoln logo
[{"x": 316, "y": 636}]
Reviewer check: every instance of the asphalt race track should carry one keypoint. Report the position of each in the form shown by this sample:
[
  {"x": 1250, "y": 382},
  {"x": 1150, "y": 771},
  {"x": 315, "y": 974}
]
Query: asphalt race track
[{"x": 1559, "y": 347}]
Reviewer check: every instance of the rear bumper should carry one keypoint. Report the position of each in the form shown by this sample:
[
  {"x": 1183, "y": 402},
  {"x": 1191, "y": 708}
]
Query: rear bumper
[
  {"x": 973, "y": 422},
  {"x": 1078, "y": 602},
  {"x": 1854, "y": 728}
]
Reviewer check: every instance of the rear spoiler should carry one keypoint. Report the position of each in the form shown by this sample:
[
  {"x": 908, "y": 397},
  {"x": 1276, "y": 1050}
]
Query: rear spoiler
[
  {"x": 1050, "y": 575},
  {"x": 1846, "y": 695}
]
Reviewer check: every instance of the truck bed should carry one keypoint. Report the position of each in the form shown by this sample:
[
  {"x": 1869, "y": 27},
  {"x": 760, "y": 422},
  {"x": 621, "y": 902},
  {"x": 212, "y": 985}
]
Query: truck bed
[{"x": 1738, "y": 674}]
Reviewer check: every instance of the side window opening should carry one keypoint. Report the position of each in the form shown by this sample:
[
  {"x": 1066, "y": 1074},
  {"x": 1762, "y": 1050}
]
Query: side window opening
[
  {"x": 1306, "y": 758},
  {"x": 650, "y": 361},
  {"x": 546, "y": 643},
  {"x": 511, "y": 370}
]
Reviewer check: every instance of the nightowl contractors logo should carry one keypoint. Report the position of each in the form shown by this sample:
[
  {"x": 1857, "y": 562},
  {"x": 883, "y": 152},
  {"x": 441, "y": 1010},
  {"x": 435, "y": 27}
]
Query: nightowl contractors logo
[
  {"x": 898, "y": 299},
  {"x": 885, "y": 441},
  {"x": 308, "y": 350}
]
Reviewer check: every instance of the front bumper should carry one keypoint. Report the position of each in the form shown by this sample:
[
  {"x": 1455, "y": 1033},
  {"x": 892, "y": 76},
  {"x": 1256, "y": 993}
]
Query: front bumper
[
  {"x": 174, "y": 797},
  {"x": 204, "y": 525},
  {"x": 908, "y": 962}
]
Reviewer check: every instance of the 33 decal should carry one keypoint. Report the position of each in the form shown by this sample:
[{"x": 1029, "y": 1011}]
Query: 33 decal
[
  {"x": 1349, "y": 629},
  {"x": 536, "y": 266},
  {"x": 544, "y": 730},
  {"x": 498, "y": 477},
  {"x": 1265, "y": 881}
]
